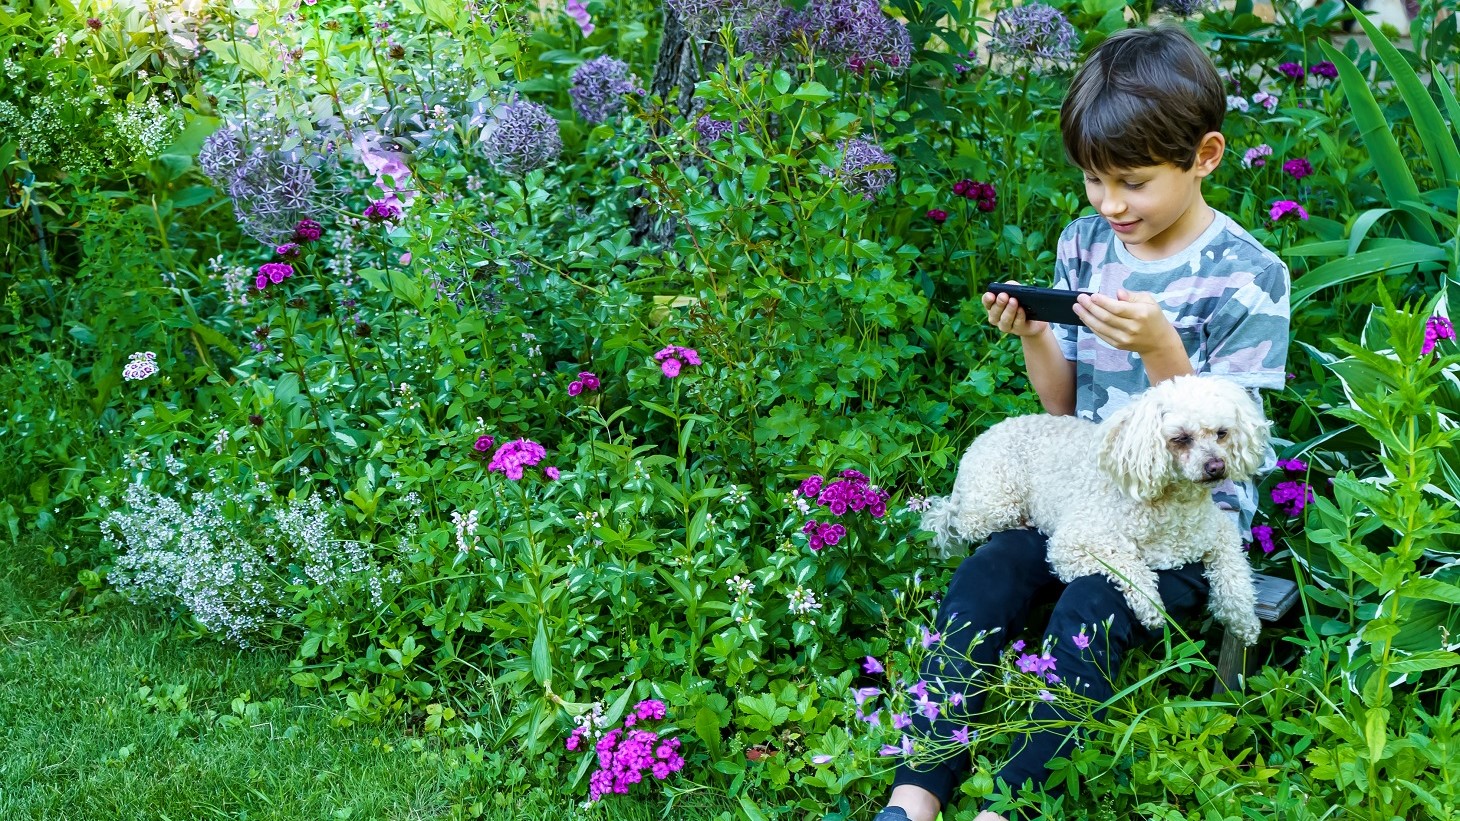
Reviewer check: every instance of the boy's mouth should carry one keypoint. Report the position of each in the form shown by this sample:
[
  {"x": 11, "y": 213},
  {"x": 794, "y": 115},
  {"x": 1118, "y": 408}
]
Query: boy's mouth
[{"x": 1123, "y": 227}]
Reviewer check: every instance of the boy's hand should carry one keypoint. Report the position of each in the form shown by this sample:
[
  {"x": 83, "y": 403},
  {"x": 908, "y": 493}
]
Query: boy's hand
[
  {"x": 1133, "y": 322},
  {"x": 1006, "y": 315}
]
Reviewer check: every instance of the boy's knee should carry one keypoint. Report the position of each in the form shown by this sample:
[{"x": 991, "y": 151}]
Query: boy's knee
[{"x": 1090, "y": 601}]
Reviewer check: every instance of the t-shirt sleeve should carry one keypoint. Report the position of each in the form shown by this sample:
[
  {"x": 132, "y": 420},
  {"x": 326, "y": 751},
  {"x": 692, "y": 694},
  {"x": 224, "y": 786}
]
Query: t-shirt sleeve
[
  {"x": 1066, "y": 260},
  {"x": 1247, "y": 337}
]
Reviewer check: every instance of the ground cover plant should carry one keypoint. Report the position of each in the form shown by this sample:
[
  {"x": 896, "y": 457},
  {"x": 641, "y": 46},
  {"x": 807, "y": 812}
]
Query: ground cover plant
[{"x": 586, "y": 367}]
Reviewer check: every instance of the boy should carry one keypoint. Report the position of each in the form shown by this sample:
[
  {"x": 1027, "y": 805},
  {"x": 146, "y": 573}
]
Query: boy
[{"x": 1180, "y": 289}]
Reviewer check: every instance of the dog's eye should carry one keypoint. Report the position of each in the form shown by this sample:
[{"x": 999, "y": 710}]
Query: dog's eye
[
  {"x": 1182, "y": 441},
  {"x": 1221, "y": 434}
]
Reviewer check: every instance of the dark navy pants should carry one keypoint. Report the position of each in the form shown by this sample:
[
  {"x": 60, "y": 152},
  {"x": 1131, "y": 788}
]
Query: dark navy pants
[{"x": 992, "y": 591}]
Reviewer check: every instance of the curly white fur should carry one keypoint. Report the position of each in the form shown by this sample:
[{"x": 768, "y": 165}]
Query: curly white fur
[{"x": 1124, "y": 498}]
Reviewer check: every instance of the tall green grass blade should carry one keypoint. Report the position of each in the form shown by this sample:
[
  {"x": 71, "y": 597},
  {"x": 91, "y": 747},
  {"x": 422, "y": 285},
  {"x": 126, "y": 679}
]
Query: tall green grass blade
[
  {"x": 1447, "y": 94},
  {"x": 1437, "y": 138},
  {"x": 1363, "y": 264},
  {"x": 1394, "y": 175}
]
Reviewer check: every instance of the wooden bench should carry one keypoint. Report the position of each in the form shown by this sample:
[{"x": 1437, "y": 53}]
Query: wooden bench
[{"x": 1275, "y": 597}]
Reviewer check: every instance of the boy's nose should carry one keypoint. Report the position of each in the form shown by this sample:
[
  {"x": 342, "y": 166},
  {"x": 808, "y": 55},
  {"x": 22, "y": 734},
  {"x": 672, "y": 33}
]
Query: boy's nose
[{"x": 1111, "y": 207}]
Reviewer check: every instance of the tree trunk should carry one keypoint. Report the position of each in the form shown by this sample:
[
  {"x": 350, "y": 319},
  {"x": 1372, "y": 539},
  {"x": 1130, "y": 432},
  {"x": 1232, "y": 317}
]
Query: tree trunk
[{"x": 675, "y": 73}]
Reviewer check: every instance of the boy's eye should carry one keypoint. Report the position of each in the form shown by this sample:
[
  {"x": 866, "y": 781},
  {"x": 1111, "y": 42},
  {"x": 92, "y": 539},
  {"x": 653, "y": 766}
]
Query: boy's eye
[{"x": 1135, "y": 186}]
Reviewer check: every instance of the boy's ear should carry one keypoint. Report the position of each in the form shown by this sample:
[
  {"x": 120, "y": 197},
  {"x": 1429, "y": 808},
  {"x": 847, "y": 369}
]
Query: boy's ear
[{"x": 1209, "y": 152}]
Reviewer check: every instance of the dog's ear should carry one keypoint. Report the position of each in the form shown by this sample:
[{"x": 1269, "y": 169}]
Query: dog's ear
[
  {"x": 1133, "y": 447},
  {"x": 1249, "y": 435}
]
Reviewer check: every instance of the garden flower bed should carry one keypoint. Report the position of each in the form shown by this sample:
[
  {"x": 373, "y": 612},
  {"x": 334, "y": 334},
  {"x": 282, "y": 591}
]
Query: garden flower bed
[{"x": 595, "y": 361}]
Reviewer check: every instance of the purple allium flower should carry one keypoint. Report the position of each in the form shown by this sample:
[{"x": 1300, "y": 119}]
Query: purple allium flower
[
  {"x": 1187, "y": 8},
  {"x": 711, "y": 129},
  {"x": 859, "y": 34},
  {"x": 1293, "y": 71},
  {"x": 381, "y": 211},
  {"x": 1255, "y": 156},
  {"x": 1266, "y": 100},
  {"x": 1291, "y": 497},
  {"x": 140, "y": 365},
  {"x": 521, "y": 137},
  {"x": 1436, "y": 328},
  {"x": 271, "y": 192},
  {"x": 1283, "y": 208},
  {"x": 1034, "y": 34},
  {"x": 515, "y": 455},
  {"x": 865, "y": 169},
  {"x": 308, "y": 231},
  {"x": 220, "y": 156},
  {"x": 599, "y": 86},
  {"x": 483, "y": 444},
  {"x": 872, "y": 666},
  {"x": 937, "y": 215},
  {"x": 1262, "y": 534},
  {"x": 703, "y": 18},
  {"x": 768, "y": 30},
  {"x": 1298, "y": 168},
  {"x": 1325, "y": 69}
]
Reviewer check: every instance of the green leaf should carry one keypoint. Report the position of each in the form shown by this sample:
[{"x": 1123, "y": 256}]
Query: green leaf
[
  {"x": 1363, "y": 264},
  {"x": 1420, "y": 662},
  {"x": 812, "y": 92},
  {"x": 542, "y": 666},
  {"x": 1437, "y": 138},
  {"x": 1431, "y": 590}
]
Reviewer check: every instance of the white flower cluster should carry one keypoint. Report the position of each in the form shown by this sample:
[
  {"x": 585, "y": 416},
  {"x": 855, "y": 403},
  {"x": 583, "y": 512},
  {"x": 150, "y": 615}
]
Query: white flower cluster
[
  {"x": 802, "y": 601},
  {"x": 466, "y": 528},
  {"x": 237, "y": 280},
  {"x": 740, "y": 587},
  {"x": 917, "y": 504},
  {"x": 796, "y": 500},
  {"x": 140, "y": 366},
  {"x": 220, "y": 566},
  {"x": 140, "y": 131}
]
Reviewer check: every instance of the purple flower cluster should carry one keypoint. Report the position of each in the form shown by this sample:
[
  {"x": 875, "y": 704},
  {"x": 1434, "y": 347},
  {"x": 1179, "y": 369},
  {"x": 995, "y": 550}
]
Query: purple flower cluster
[
  {"x": 521, "y": 137},
  {"x": 1325, "y": 69},
  {"x": 866, "y": 169},
  {"x": 703, "y": 18},
  {"x": 382, "y": 211},
  {"x": 1256, "y": 157},
  {"x": 139, "y": 366},
  {"x": 938, "y": 215},
  {"x": 289, "y": 250},
  {"x": 515, "y": 455},
  {"x": 1034, "y": 35},
  {"x": 1436, "y": 328},
  {"x": 1262, "y": 534},
  {"x": 711, "y": 129},
  {"x": 1298, "y": 168},
  {"x": 307, "y": 230},
  {"x": 1187, "y": 8},
  {"x": 851, "y": 492},
  {"x": 599, "y": 86},
  {"x": 270, "y": 190},
  {"x": 1293, "y": 71},
  {"x": 586, "y": 381},
  {"x": 858, "y": 33},
  {"x": 1283, "y": 209},
  {"x": 674, "y": 357},
  {"x": 272, "y": 272},
  {"x": 625, "y": 756},
  {"x": 983, "y": 194},
  {"x": 483, "y": 444},
  {"x": 769, "y": 29},
  {"x": 1291, "y": 497}
]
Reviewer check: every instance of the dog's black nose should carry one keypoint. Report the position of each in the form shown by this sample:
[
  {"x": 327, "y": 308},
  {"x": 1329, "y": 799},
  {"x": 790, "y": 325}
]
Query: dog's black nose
[{"x": 1215, "y": 468}]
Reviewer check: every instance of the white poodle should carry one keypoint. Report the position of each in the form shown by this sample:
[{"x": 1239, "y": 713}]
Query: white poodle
[{"x": 1125, "y": 498}]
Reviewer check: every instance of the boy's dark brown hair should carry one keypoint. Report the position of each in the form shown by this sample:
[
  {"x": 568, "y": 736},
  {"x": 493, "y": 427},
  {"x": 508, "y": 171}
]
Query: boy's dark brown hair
[{"x": 1143, "y": 97}]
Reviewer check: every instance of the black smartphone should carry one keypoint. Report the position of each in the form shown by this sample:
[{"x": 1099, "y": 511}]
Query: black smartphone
[{"x": 1041, "y": 304}]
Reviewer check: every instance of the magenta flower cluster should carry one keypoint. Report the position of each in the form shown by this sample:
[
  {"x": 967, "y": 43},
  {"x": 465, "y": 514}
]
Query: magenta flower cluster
[
  {"x": 1293, "y": 71},
  {"x": 983, "y": 194},
  {"x": 586, "y": 381},
  {"x": 624, "y": 756},
  {"x": 1262, "y": 534},
  {"x": 381, "y": 211},
  {"x": 512, "y": 457},
  {"x": 1436, "y": 328},
  {"x": 1283, "y": 209},
  {"x": 272, "y": 272},
  {"x": 308, "y": 231},
  {"x": 1291, "y": 496},
  {"x": 1298, "y": 168},
  {"x": 673, "y": 358},
  {"x": 851, "y": 492},
  {"x": 483, "y": 444}
]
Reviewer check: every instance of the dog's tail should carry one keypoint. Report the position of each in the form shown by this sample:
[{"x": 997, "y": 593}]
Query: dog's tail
[{"x": 939, "y": 518}]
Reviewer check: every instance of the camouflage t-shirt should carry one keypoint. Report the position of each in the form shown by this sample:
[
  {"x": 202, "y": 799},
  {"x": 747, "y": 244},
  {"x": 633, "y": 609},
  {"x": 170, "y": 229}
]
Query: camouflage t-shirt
[{"x": 1226, "y": 295}]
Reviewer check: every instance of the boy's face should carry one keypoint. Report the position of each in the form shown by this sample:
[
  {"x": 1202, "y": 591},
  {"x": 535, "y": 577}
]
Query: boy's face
[{"x": 1155, "y": 210}]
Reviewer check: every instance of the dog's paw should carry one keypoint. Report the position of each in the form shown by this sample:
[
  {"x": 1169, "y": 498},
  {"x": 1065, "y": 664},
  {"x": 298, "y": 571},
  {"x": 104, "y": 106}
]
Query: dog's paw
[{"x": 1246, "y": 629}]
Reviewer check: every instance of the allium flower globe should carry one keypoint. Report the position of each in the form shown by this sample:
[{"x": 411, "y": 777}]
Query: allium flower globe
[
  {"x": 859, "y": 34},
  {"x": 866, "y": 169},
  {"x": 599, "y": 86},
  {"x": 521, "y": 137},
  {"x": 1035, "y": 35}
]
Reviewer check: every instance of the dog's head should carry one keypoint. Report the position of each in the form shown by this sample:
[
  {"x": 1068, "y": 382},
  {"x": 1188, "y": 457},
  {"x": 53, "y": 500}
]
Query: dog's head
[{"x": 1197, "y": 429}]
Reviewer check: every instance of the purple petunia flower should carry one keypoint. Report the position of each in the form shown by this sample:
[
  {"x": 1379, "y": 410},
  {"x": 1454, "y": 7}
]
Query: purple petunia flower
[
  {"x": 1285, "y": 208},
  {"x": 1298, "y": 168},
  {"x": 599, "y": 86},
  {"x": 576, "y": 10},
  {"x": 1267, "y": 101},
  {"x": 521, "y": 137}
]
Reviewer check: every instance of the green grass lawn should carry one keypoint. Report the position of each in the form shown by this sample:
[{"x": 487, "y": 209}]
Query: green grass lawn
[{"x": 111, "y": 716}]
